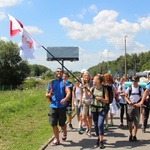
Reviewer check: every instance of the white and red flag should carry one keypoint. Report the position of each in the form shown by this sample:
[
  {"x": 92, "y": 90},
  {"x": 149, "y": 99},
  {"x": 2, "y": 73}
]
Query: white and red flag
[
  {"x": 28, "y": 45},
  {"x": 15, "y": 26}
]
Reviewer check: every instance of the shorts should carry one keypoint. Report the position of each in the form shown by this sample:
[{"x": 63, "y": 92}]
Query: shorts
[
  {"x": 86, "y": 109},
  {"x": 69, "y": 110},
  {"x": 57, "y": 115},
  {"x": 78, "y": 110},
  {"x": 134, "y": 117}
]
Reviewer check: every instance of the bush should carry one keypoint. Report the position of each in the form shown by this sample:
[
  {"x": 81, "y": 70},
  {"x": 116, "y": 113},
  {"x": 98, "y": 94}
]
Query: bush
[{"x": 30, "y": 83}]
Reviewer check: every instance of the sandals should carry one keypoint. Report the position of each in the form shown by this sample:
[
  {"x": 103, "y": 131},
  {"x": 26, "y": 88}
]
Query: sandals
[
  {"x": 64, "y": 136},
  {"x": 55, "y": 142}
]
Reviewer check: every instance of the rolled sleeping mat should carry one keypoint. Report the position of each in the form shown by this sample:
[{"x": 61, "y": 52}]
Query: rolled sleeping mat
[{"x": 142, "y": 84}]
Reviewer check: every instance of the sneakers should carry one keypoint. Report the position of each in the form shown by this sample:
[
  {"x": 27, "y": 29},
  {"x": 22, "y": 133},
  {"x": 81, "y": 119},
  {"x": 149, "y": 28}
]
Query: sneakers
[
  {"x": 101, "y": 145},
  {"x": 111, "y": 123},
  {"x": 55, "y": 142},
  {"x": 70, "y": 126},
  {"x": 130, "y": 138},
  {"x": 106, "y": 127},
  {"x": 89, "y": 134},
  {"x": 121, "y": 125},
  {"x": 97, "y": 144},
  {"x": 87, "y": 130},
  {"x": 143, "y": 129},
  {"x": 134, "y": 139},
  {"x": 64, "y": 136},
  {"x": 80, "y": 130}
]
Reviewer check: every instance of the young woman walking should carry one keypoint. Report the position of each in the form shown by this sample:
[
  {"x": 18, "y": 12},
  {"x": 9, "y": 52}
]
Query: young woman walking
[{"x": 98, "y": 111}]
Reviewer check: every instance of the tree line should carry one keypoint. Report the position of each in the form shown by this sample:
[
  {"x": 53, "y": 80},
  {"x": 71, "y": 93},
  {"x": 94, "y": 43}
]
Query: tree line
[
  {"x": 14, "y": 70},
  {"x": 134, "y": 62}
]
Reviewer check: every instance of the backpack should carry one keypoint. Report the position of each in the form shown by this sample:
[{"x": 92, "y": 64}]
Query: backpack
[
  {"x": 97, "y": 106},
  {"x": 130, "y": 91},
  {"x": 110, "y": 93}
]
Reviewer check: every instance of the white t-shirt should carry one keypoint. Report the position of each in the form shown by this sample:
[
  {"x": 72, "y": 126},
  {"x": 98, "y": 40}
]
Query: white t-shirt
[
  {"x": 121, "y": 98},
  {"x": 88, "y": 101},
  {"x": 77, "y": 95},
  {"x": 134, "y": 98}
]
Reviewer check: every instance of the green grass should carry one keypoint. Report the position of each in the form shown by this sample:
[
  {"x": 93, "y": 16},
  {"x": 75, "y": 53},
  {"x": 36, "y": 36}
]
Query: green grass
[{"x": 23, "y": 119}]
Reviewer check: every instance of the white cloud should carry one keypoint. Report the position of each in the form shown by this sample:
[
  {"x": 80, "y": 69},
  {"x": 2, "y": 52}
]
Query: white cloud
[
  {"x": 2, "y": 15},
  {"x": 93, "y": 8},
  {"x": 81, "y": 15},
  {"x": 33, "y": 29},
  {"x": 107, "y": 26},
  {"x": 145, "y": 23},
  {"x": 4, "y": 39},
  {"x": 104, "y": 25},
  {"x": 9, "y": 3}
]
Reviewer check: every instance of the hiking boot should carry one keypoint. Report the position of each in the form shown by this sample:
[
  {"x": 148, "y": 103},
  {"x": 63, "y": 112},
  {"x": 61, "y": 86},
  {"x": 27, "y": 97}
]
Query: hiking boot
[
  {"x": 130, "y": 138},
  {"x": 134, "y": 138},
  {"x": 70, "y": 126},
  {"x": 101, "y": 145},
  {"x": 55, "y": 142},
  {"x": 64, "y": 136}
]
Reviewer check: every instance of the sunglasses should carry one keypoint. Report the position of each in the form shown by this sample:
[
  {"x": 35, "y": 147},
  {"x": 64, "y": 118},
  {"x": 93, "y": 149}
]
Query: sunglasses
[
  {"x": 58, "y": 71},
  {"x": 134, "y": 80}
]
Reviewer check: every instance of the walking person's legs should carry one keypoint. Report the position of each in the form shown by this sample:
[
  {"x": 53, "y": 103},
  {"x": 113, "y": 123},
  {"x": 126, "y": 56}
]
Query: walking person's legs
[{"x": 121, "y": 114}]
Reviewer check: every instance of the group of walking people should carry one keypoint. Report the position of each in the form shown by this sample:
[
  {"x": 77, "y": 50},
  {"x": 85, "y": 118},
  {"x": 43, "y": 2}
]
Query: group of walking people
[{"x": 90, "y": 99}]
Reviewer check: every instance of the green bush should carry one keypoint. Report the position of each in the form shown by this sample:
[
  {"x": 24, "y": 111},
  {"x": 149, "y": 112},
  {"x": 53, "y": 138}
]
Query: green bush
[{"x": 29, "y": 84}]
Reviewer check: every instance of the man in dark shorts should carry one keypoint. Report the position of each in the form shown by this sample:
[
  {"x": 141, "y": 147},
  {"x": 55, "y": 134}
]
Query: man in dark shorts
[{"x": 59, "y": 94}]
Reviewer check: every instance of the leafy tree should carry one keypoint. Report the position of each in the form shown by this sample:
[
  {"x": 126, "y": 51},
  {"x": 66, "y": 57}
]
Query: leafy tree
[
  {"x": 135, "y": 62},
  {"x": 38, "y": 70},
  {"x": 12, "y": 69}
]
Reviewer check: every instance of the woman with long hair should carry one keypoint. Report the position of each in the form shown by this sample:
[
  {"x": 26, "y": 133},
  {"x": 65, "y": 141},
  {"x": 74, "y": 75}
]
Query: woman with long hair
[{"x": 98, "y": 109}]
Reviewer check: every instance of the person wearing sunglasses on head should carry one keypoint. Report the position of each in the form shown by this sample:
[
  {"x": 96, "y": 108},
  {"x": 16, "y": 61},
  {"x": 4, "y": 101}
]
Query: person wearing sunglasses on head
[{"x": 133, "y": 95}]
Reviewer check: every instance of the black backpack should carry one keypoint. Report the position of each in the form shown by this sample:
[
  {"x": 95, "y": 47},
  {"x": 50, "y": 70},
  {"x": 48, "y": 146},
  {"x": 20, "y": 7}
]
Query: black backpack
[
  {"x": 110, "y": 93},
  {"x": 130, "y": 91}
]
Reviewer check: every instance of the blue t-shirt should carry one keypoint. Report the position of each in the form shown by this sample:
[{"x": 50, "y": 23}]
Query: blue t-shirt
[
  {"x": 58, "y": 91},
  {"x": 148, "y": 85}
]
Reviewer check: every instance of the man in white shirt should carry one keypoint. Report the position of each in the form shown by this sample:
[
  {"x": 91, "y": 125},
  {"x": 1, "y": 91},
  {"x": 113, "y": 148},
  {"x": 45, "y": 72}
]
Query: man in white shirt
[{"x": 133, "y": 96}]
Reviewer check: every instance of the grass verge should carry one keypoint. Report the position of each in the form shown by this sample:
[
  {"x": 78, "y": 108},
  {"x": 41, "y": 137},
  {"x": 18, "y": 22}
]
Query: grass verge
[{"x": 24, "y": 121}]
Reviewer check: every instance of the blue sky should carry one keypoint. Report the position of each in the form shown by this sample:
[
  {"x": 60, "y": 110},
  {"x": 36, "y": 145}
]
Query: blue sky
[{"x": 97, "y": 27}]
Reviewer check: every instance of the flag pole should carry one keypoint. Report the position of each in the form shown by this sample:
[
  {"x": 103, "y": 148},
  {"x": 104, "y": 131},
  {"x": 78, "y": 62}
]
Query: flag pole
[{"x": 66, "y": 68}]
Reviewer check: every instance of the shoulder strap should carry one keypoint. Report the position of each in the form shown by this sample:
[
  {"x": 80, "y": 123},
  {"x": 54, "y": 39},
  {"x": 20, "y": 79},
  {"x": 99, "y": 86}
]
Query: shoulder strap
[
  {"x": 140, "y": 90},
  {"x": 93, "y": 89},
  {"x": 103, "y": 91},
  {"x": 130, "y": 90}
]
